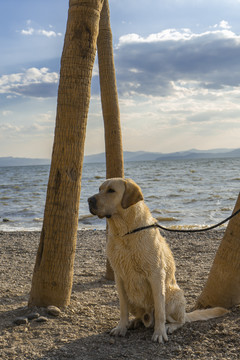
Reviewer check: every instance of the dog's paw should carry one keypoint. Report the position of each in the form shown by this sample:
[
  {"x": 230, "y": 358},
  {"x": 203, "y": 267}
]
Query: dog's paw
[
  {"x": 135, "y": 324},
  {"x": 119, "y": 331},
  {"x": 171, "y": 327},
  {"x": 160, "y": 336}
]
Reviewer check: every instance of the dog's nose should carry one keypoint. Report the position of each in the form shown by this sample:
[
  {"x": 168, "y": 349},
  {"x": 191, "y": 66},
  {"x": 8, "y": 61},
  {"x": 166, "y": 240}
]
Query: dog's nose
[{"x": 92, "y": 201}]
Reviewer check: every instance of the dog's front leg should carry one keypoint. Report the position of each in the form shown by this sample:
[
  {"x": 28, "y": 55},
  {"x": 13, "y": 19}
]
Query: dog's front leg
[
  {"x": 157, "y": 282},
  {"x": 121, "y": 329}
]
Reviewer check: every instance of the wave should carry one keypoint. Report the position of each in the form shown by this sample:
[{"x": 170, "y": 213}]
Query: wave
[
  {"x": 38, "y": 219},
  {"x": 194, "y": 227},
  {"x": 86, "y": 216},
  {"x": 214, "y": 196},
  {"x": 174, "y": 195},
  {"x": 226, "y": 209},
  {"x": 180, "y": 193},
  {"x": 167, "y": 219},
  {"x": 87, "y": 219},
  {"x": 189, "y": 201},
  {"x": 151, "y": 197},
  {"x": 157, "y": 211},
  {"x": 165, "y": 211},
  {"x": 182, "y": 190},
  {"x": 20, "y": 228},
  {"x": 9, "y": 187}
]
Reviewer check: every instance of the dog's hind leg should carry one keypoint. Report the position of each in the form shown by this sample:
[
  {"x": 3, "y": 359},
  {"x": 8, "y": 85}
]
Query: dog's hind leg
[
  {"x": 171, "y": 327},
  {"x": 175, "y": 310}
]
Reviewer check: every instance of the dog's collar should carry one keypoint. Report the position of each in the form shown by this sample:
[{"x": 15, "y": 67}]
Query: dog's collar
[{"x": 141, "y": 228}]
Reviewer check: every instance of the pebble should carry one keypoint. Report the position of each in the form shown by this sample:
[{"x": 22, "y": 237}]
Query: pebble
[
  {"x": 33, "y": 316},
  {"x": 53, "y": 310},
  {"x": 41, "y": 319},
  {"x": 21, "y": 321}
]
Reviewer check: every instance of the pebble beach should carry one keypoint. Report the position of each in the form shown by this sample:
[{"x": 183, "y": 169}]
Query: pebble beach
[{"x": 82, "y": 330}]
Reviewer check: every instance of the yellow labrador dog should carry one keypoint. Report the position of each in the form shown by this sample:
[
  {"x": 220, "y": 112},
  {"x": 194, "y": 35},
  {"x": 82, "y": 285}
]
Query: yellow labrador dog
[{"x": 143, "y": 263}]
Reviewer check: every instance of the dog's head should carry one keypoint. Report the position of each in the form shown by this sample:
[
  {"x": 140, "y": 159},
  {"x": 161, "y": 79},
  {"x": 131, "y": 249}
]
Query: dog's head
[{"x": 114, "y": 195}]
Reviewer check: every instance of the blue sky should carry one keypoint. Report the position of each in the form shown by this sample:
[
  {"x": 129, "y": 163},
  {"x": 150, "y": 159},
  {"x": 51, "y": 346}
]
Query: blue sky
[{"x": 177, "y": 65}]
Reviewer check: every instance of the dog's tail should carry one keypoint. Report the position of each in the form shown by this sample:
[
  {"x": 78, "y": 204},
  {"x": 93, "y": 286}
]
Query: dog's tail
[{"x": 205, "y": 314}]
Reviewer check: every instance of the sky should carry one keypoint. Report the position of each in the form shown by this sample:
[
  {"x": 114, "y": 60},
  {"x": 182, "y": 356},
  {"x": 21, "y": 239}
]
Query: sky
[{"x": 177, "y": 67}]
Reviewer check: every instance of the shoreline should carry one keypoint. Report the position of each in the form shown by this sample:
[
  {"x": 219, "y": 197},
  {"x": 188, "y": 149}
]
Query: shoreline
[
  {"x": 98, "y": 227},
  {"x": 81, "y": 331}
]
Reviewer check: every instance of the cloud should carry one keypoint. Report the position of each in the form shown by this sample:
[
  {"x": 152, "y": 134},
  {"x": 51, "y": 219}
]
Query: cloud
[
  {"x": 30, "y": 30},
  {"x": 224, "y": 24},
  {"x": 33, "y": 82},
  {"x": 41, "y": 124},
  {"x": 28, "y": 140},
  {"x": 6, "y": 112},
  {"x": 9, "y": 131},
  {"x": 47, "y": 33},
  {"x": 151, "y": 65}
]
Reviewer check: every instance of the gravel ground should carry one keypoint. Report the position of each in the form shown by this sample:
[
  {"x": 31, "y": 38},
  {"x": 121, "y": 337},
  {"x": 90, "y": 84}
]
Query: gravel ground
[{"x": 81, "y": 331}]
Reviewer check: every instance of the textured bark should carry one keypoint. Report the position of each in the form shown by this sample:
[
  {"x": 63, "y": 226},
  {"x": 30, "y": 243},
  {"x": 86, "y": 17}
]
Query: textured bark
[
  {"x": 223, "y": 285},
  {"x": 53, "y": 272},
  {"x": 109, "y": 97},
  {"x": 110, "y": 107}
]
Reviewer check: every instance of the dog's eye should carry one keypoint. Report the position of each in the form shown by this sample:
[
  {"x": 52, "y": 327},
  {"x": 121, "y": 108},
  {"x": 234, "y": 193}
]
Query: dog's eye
[{"x": 111, "y": 191}]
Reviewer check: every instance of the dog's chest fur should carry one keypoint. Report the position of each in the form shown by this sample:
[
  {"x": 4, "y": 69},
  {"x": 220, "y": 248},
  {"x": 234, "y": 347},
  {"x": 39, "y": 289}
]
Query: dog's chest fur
[{"x": 132, "y": 260}]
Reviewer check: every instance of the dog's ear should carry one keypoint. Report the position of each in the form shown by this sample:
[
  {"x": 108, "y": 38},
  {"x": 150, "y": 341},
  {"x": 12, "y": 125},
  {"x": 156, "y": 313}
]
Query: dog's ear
[{"x": 132, "y": 194}]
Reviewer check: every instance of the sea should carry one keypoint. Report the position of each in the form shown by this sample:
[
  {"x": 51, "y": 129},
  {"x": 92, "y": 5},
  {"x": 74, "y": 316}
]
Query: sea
[{"x": 180, "y": 193}]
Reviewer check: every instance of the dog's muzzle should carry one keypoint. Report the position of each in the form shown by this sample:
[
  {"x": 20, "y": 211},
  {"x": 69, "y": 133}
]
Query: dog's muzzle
[{"x": 92, "y": 203}]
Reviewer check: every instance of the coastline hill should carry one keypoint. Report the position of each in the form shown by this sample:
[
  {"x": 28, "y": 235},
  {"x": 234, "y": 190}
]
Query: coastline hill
[
  {"x": 133, "y": 156},
  {"x": 154, "y": 156}
]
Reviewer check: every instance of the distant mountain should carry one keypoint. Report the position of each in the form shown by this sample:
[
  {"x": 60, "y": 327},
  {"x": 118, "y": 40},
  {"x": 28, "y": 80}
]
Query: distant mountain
[
  {"x": 12, "y": 161},
  {"x": 128, "y": 156},
  {"x": 134, "y": 156},
  {"x": 198, "y": 154},
  {"x": 152, "y": 156}
]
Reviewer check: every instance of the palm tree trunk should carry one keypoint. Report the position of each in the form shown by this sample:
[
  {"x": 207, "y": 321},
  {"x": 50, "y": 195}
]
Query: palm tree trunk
[
  {"x": 110, "y": 107},
  {"x": 53, "y": 272},
  {"x": 223, "y": 285}
]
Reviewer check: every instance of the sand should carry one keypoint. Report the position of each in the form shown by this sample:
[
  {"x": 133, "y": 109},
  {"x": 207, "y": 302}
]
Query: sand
[{"x": 81, "y": 331}]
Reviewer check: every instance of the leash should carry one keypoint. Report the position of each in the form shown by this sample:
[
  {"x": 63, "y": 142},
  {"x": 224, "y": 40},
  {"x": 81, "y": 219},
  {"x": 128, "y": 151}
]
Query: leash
[{"x": 183, "y": 230}]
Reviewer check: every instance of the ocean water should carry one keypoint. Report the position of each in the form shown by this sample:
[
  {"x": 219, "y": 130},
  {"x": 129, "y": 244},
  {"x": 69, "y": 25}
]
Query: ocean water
[{"x": 180, "y": 193}]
